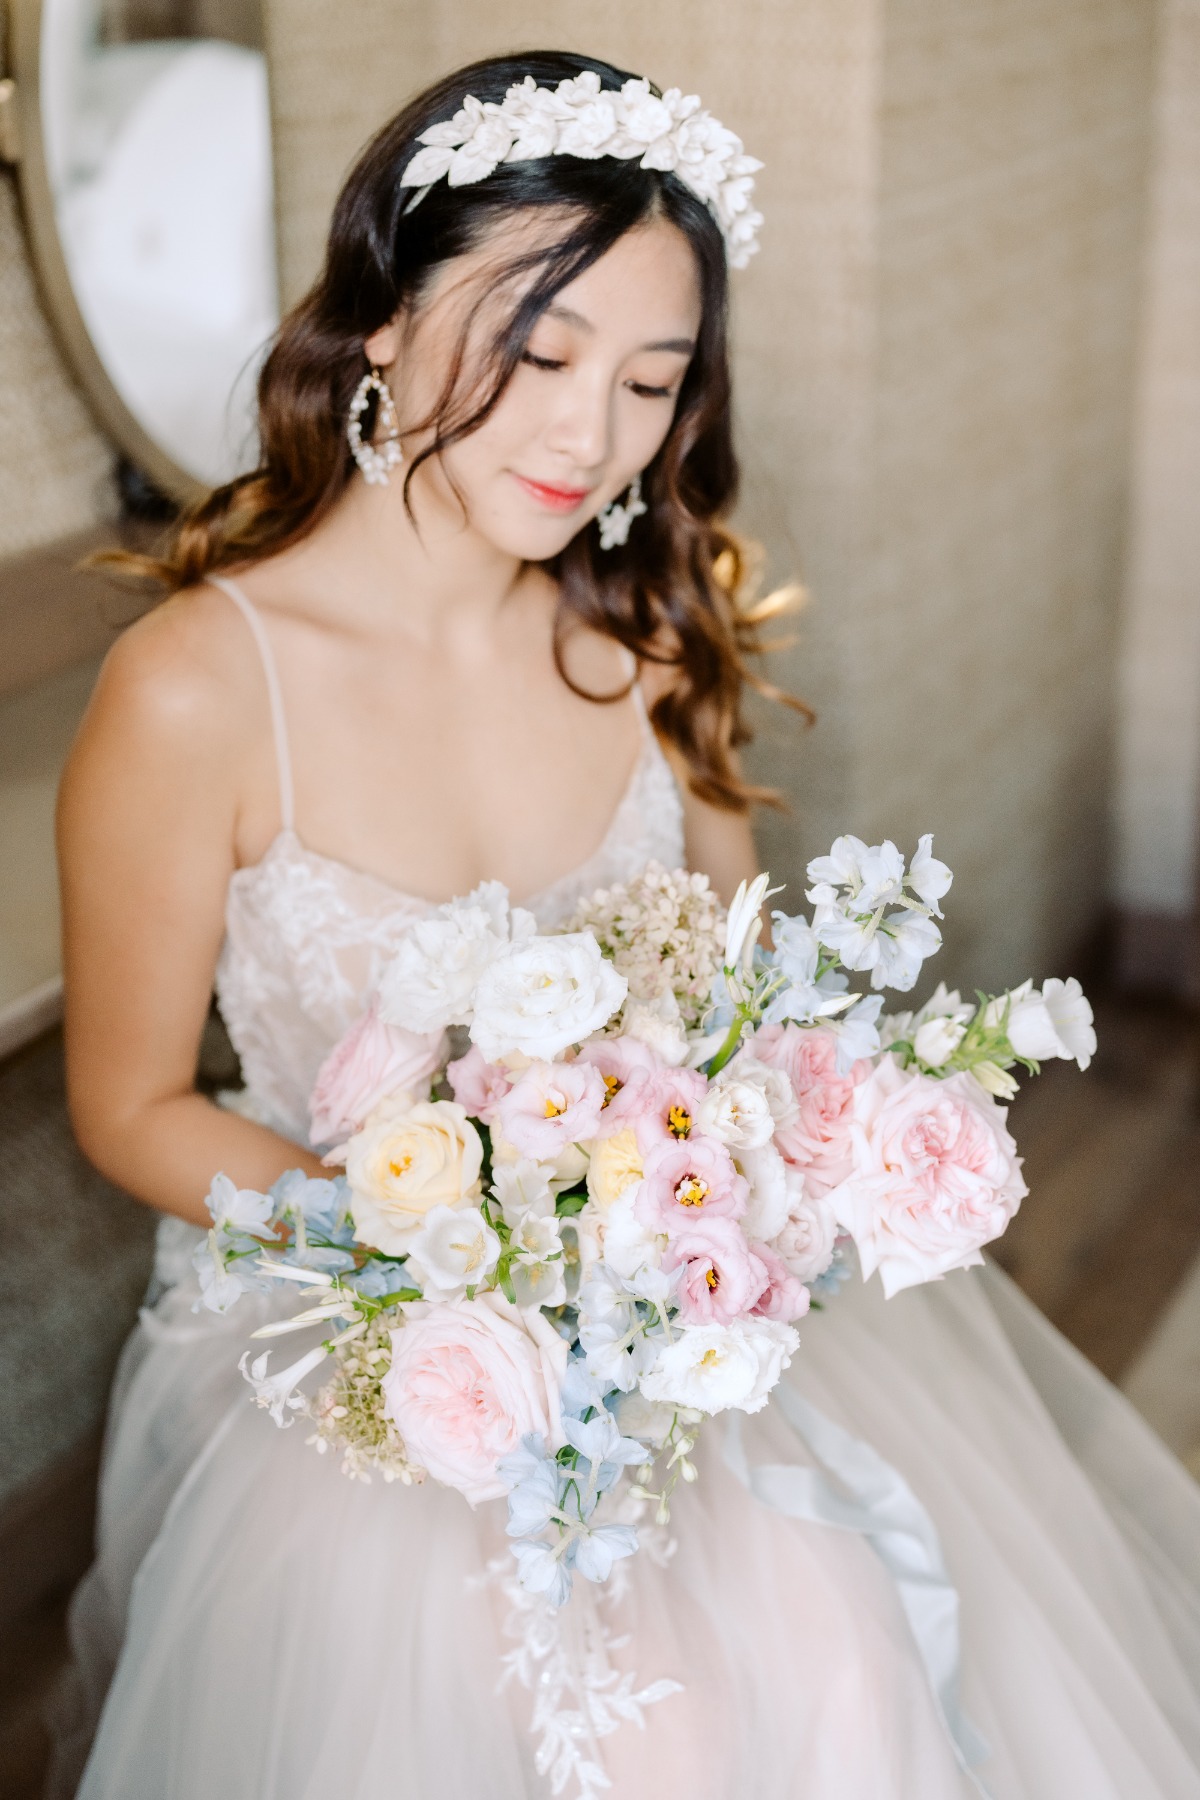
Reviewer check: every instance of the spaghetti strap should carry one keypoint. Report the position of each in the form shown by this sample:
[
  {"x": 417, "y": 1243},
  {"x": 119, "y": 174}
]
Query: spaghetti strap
[
  {"x": 283, "y": 759},
  {"x": 632, "y": 671}
]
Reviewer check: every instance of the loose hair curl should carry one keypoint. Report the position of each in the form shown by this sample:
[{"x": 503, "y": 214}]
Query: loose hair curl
[{"x": 676, "y": 593}]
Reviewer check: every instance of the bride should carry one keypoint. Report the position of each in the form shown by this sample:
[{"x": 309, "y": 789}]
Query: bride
[{"x": 472, "y": 618}]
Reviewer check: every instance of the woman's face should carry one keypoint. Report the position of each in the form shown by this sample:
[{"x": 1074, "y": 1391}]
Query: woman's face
[{"x": 588, "y": 406}]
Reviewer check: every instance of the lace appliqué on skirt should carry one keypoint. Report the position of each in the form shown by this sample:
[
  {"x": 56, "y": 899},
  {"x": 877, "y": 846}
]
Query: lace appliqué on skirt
[{"x": 563, "y": 1657}]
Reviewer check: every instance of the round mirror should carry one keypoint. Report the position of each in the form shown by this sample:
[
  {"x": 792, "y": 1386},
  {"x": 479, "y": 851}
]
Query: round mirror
[{"x": 145, "y": 161}]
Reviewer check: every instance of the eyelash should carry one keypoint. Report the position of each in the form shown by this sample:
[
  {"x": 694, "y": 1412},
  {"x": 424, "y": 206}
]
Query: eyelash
[{"x": 636, "y": 387}]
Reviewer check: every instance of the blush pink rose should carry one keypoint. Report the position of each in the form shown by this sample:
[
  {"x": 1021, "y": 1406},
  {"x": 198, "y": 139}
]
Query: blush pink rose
[
  {"x": 478, "y": 1085},
  {"x": 551, "y": 1105},
  {"x": 370, "y": 1062},
  {"x": 624, "y": 1062},
  {"x": 818, "y": 1139},
  {"x": 684, "y": 1181},
  {"x": 469, "y": 1378},
  {"x": 721, "y": 1278},
  {"x": 783, "y": 1297},
  {"x": 936, "y": 1175},
  {"x": 663, "y": 1107}
]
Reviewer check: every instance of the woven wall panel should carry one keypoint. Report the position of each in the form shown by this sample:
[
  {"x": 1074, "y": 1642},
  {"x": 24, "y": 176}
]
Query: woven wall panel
[{"x": 54, "y": 460}]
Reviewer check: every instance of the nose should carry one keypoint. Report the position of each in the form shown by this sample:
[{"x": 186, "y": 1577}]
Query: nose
[{"x": 581, "y": 428}]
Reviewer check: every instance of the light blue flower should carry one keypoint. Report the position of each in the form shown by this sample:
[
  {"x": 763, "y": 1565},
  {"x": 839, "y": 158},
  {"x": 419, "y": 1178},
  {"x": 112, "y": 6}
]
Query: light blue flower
[
  {"x": 377, "y": 1278},
  {"x": 541, "y": 1569},
  {"x": 593, "y": 1552}
]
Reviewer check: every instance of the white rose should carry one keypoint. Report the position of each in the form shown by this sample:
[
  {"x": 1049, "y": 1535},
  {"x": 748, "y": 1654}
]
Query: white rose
[
  {"x": 454, "y": 1248},
  {"x": 431, "y": 981},
  {"x": 771, "y": 1187},
  {"x": 407, "y": 1159},
  {"x": 616, "y": 1164},
  {"x": 806, "y": 1242},
  {"x": 745, "y": 1102},
  {"x": 541, "y": 995},
  {"x": 937, "y": 1040},
  {"x": 712, "y": 1367}
]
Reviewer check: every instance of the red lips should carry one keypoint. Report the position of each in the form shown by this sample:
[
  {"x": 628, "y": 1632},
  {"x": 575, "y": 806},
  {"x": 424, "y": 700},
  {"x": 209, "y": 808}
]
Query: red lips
[{"x": 556, "y": 499}]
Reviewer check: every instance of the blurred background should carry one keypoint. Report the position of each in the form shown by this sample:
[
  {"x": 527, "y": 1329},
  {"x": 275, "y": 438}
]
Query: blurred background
[{"x": 968, "y": 365}]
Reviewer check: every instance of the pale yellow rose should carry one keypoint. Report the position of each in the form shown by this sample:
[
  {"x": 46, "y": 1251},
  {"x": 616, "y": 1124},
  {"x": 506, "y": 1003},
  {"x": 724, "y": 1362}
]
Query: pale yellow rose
[
  {"x": 616, "y": 1164},
  {"x": 408, "y": 1157}
]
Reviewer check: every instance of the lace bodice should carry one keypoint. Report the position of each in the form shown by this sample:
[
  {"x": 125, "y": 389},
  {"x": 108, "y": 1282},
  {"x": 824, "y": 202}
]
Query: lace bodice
[{"x": 306, "y": 936}]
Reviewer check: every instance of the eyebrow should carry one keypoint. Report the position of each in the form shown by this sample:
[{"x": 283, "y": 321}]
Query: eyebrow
[{"x": 678, "y": 346}]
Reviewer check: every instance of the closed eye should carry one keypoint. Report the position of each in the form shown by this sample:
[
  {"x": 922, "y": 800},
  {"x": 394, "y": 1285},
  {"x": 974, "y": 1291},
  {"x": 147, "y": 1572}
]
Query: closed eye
[
  {"x": 541, "y": 362},
  {"x": 649, "y": 393}
]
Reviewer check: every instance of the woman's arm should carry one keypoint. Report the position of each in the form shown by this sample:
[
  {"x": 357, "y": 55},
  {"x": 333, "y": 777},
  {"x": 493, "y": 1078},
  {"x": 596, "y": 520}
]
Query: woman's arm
[{"x": 147, "y": 824}]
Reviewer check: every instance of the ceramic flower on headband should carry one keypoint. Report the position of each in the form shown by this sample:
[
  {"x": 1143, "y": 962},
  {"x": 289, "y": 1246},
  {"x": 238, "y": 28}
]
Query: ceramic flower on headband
[{"x": 672, "y": 132}]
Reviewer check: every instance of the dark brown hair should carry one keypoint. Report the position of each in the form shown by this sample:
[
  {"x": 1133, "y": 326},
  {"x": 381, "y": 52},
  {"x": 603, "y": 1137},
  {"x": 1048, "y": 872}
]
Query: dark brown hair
[{"x": 676, "y": 592}]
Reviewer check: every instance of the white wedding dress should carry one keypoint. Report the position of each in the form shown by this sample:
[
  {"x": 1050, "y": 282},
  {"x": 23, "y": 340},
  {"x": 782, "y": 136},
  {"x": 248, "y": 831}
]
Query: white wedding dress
[{"x": 287, "y": 1634}]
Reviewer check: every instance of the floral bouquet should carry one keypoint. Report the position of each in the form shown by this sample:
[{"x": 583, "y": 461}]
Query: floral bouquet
[{"x": 593, "y": 1178}]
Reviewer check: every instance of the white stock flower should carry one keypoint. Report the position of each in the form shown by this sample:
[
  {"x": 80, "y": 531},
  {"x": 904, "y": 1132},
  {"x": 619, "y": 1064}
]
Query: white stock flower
[
  {"x": 713, "y": 1367},
  {"x": 454, "y": 1249},
  {"x": 928, "y": 878},
  {"x": 431, "y": 981},
  {"x": 1071, "y": 1015},
  {"x": 543, "y": 994}
]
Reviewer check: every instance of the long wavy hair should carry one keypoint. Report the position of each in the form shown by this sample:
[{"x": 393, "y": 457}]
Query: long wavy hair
[{"x": 677, "y": 591}]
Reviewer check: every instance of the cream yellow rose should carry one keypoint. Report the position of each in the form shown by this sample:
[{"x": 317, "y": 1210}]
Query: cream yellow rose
[
  {"x": 616, "y": 1164},
  {"x": 409, "y": 1157}
]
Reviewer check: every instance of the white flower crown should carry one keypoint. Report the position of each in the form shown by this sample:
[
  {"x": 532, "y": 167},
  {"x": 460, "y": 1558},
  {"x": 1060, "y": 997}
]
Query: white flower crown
[{"x": 579, "y": 118}]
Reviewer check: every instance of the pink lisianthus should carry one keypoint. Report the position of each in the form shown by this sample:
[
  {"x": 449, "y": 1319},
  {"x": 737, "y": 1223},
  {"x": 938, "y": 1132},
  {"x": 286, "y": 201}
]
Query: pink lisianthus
[
  {"x": 468, "y": 1380},
  {"x": 721, "y": 1278},
  {"x": 551, "y": 1105},
  {"x": 370, "y": 1062},
  {"x": 783, "y": 1297},
  {"x": 478, "y": 1085},
  {"x": 624, "y": 1062},
  {"x": 936, "y": 1175},
  {"x": 817, "y": 1140},
  {"x": 685, "y": 1181},
  {"x": 663, "y": 1108}
]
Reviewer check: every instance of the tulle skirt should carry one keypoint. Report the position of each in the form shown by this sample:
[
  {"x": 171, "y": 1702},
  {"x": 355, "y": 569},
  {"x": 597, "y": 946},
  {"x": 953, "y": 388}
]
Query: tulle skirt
[{"x": 279, "y": 1632}]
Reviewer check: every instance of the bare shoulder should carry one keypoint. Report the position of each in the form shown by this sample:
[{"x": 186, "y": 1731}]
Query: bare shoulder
[{"x": 176, "y": 691}]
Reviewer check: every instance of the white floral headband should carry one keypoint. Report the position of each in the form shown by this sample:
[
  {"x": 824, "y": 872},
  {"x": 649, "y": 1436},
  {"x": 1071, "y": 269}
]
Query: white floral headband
[{"x": 579, "y": 118}]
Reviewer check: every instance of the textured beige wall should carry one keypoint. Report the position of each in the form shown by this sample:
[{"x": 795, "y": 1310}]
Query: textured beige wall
[
  {"x": 54, "y": 462},
  {"x": 1013, "y": 164},
  {"x": 1158, "y": 793}
]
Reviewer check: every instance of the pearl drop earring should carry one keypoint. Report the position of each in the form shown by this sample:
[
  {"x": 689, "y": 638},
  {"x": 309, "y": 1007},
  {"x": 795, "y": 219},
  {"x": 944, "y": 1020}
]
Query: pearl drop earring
[{"x": 376, "y": 463}]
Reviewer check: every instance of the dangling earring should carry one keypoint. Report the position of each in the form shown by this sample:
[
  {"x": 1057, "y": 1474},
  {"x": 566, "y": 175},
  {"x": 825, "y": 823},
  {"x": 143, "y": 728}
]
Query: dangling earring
[
  {"x": 614, "y": 520},
  {"x": 375, "y": 463}
]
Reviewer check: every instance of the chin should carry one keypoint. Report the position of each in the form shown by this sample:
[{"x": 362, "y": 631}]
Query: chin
[{"x": 534, "y": 540}]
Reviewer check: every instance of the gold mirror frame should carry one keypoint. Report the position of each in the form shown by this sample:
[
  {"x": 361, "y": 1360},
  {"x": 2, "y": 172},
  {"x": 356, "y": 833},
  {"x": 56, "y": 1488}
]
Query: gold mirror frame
[{"x": 27, "y": 151}]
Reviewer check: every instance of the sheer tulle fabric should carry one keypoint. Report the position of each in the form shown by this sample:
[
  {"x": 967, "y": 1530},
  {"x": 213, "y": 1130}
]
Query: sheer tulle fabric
[{"x": 291, "y": 1635}]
